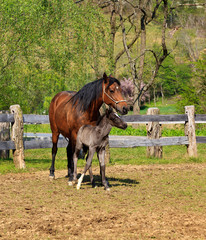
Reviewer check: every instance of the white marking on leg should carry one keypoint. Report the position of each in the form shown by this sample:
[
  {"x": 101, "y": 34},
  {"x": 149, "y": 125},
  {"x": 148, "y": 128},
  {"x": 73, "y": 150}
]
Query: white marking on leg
[
  {"x": 70, "y": 183},
  {"x": 80, "y": 181}
]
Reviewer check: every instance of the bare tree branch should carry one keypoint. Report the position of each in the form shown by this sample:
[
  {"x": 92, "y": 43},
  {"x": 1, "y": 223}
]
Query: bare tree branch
[{"x": 132, "y": 63}]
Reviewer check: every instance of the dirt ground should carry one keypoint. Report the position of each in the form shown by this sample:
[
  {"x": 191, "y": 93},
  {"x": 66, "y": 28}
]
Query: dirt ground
[{"x": 145, "y": 202}]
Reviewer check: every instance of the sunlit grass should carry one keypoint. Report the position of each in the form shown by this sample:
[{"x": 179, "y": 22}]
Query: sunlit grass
[{"x": 40, "y": 159}]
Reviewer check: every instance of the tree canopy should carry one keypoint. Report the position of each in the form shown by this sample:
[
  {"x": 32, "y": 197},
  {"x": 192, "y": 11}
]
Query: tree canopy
[{"x": 48, "y": 46}]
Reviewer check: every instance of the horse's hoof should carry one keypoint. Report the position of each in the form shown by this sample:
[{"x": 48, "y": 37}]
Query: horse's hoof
[
  {"x": 70, "y": 183},
  {"x": 78, "y": 187},
  {"x": 94, "y": 185},
  {"x": 51, "y": 177},
  {"x": 107, "y": 189}
]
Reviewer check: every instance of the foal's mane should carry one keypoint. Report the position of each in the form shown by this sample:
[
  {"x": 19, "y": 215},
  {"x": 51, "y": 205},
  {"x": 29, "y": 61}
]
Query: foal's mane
[
  {"x": 100, "y": 119},
  {"x": 89, "y": 93}
]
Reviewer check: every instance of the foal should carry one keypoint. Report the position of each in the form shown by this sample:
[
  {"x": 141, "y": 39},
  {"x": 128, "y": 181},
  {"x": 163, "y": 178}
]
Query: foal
[{"x": 95, "y": 138}]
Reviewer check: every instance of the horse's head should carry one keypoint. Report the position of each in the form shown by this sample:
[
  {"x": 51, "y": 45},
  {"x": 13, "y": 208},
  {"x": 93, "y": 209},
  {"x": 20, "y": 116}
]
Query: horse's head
[
  {"x": 115, "y": 120},
  {"x": 112, "y": 94}
]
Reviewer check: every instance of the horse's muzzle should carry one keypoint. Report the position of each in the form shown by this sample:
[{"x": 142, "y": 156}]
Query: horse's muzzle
[
  {"x": 124, "y": 110},
  {"x": 124, "y": 126}
]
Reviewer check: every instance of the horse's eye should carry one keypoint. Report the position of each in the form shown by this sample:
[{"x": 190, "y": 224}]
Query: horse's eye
[{"x": 112, "y": 91}]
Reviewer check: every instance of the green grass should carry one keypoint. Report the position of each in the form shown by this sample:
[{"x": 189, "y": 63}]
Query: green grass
[
  {"x": 164, "y": 110},
  {"x": 37, "y": 128},
  {"x": 40, "y": 159},
  {"x": 167, "y": 106}
]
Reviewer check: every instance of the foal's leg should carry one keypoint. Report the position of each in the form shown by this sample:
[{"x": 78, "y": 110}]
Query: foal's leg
[
  {"x": 55, "y": 137},
  {"x": 92, "y": 178},
  {"x": 85, "y": 149},
  {"x": 101, "y": 157},
  {"x": 87, "y": 166},
  {"x": 75, "y": 158}
]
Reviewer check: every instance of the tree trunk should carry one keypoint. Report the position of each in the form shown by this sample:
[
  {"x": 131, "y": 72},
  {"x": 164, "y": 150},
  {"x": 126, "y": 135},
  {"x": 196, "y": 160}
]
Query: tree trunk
[
  {"x": 137, "y": 97},
  {"x": 136, "y": 105},
  {"x": 162, "y": 93}
]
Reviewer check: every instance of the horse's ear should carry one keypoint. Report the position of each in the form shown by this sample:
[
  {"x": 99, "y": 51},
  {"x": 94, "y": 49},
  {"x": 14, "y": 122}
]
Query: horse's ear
[{"x": 105, "y": 77}]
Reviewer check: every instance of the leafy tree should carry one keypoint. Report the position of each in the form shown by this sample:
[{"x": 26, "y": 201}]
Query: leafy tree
[
  {"x": 194, "y": 91},
  {"x": 174, "y": 26},
  {"x": 49, "y": 46},
  {"x": 172, "y": 76}
]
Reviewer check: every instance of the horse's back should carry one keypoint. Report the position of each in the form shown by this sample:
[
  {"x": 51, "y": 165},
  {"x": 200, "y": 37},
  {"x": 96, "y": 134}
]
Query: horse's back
[
  {"x": 56, "y": 106},
  {"x": 60, "y": 98}
]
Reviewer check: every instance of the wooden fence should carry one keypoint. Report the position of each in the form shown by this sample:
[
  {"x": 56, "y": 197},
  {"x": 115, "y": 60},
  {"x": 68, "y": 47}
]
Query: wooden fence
[{"x": 153, "y": 141}]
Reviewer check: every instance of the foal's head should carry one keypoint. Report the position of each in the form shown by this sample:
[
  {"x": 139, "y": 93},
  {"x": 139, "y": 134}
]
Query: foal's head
[{"x": 115, "y": 120}]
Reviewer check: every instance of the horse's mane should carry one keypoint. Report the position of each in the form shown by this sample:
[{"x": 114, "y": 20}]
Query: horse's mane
[{"x": 89, "y": 93}]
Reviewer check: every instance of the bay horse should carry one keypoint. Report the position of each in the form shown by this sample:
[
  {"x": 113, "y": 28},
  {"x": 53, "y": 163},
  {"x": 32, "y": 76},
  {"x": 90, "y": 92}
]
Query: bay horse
[
  {"x": 70, "y": 110},
  {"x": 96, "y": 138}
]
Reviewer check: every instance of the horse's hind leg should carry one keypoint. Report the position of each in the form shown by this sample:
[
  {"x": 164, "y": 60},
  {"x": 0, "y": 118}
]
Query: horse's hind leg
[
  {"x": 55, "y": 137},
  {"x": 91, "y": 175},
  {"x": 92, "y": 178},
  {"x": 85, "y": 150},
  {"x": 70, "y": 151}
]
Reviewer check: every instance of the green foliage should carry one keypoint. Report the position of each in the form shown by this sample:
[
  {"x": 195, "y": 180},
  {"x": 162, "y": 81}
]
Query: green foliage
[
  {"x": 172, "y": 76},
  {"x": 193, "y": 92},
  {"x": 46, "y": 47}
]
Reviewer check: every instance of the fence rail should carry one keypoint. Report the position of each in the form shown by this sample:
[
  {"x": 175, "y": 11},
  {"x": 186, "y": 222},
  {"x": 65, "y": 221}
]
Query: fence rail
[
  {"x": 169, "y": 119},
  {"x": 31, "y": 142},
  {"x": 114, "y": 142}
]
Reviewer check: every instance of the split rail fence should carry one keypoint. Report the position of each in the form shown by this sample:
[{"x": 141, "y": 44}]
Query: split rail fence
[{"x": 153, "y": 141}]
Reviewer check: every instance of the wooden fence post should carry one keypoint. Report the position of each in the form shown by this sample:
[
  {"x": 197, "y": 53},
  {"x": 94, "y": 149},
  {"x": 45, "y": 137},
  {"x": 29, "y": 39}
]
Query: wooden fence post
[
  {"x": 4, "y": 136},
  {"x": 154, "y": 132},
  {"x": 190, "y": 131},
  {"x": 17, "y": 131}
]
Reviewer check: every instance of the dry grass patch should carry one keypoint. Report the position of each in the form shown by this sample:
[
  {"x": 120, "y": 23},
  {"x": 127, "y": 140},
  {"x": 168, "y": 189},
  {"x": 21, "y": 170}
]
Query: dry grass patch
[{"x": 145, "y": 202}]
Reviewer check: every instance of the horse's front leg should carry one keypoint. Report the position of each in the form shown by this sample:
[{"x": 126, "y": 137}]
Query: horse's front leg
[
  {"x": 70, "y": 164},
  {"x": 101, "y": 157}
]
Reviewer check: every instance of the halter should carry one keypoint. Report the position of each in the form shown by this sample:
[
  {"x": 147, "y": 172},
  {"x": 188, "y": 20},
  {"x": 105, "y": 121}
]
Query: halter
[{"x": 116, "y": 102}]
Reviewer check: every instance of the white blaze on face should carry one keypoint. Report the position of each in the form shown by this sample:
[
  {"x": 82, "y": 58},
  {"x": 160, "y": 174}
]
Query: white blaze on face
[{"x": 116, "y": 115}]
